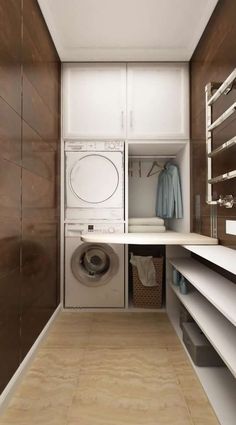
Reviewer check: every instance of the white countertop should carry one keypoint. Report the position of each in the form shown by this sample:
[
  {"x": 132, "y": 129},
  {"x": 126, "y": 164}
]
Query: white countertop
[{"x": 166, "y": 238}]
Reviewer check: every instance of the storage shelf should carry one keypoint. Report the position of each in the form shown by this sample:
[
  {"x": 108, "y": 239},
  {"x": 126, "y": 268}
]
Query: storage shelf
[
  {"x": 219, "y": 291},
  {"x": 219, "y": 331},
  {"x": 218, "y": 383},
  {"x": 222, "y": 256}
]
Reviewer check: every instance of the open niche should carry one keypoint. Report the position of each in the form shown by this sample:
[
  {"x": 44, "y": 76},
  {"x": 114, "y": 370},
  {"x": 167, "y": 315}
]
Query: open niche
[{"x": 147, "y": 161}]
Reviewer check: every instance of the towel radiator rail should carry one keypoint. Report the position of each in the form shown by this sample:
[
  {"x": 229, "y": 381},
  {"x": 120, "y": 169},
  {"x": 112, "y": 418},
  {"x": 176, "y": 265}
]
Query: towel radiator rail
[{"x": 228, "y": 201}]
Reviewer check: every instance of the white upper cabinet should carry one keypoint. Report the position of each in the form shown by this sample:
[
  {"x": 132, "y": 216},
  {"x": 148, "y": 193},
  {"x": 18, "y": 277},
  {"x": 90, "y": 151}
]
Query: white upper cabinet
[
  {"x": 94, "y": 101},
  {"x": 158, "y": 101}
]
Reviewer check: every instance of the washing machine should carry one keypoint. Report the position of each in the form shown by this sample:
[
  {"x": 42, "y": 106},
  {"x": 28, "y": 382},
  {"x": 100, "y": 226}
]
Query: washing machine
[
  {"x": 94, "y": 180},
  {"x": 94, "y": 273}
]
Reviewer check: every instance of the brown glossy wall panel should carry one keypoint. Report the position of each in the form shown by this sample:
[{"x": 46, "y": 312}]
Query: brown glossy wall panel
[
  {"x": 10, "y": 245},
  {"x": 213, "y": 60},
  {"x": 35, "y": 25},
  {"x": 40, "y": 169},
  {"x": 10, "y": 133},
  {"x": 29, "y": 180},
  {"x": 10, "y": 189},
  {"x": 9, "y": 325},
  {"x": 37, "y": 114},
  {"x": 33, "y": 321},
  {"x": 10, "y": 52}
]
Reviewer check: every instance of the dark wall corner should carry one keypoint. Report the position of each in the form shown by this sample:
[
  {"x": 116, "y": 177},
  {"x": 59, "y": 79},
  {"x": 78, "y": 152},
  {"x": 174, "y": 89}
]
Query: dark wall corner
[
  {"x": 213, "y": 60},
  {"x": 29, "y": 180}
]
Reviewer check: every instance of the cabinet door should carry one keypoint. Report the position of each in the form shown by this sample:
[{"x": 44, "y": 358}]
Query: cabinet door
[
  {"x": 94, "y": 101},
  {"x": 158, "y": 101}
]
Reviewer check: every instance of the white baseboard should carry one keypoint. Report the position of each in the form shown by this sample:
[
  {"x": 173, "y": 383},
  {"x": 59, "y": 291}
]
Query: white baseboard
[{"x": 20, "y": 372}]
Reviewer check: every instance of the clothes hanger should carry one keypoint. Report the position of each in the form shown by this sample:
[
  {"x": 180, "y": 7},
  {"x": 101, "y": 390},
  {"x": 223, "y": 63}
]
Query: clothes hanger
[
  {"x": 140, "y": 169},
  {"x": 154, "y": 164}
]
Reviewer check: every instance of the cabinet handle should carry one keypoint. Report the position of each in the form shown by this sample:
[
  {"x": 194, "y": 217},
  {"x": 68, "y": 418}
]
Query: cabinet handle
[
  {"x": 122, "y": 119},
  {"x": 131, "y": 119}
]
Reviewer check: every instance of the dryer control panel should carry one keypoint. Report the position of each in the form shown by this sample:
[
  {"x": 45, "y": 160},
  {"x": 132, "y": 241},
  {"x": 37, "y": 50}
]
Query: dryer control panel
[{"x": 94, "y": 146}]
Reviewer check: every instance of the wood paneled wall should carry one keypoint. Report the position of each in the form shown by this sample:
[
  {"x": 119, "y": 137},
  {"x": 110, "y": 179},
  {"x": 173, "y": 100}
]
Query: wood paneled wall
[
  {"x": 29, "y": 180},
  {"x": 213, "y": 60}
]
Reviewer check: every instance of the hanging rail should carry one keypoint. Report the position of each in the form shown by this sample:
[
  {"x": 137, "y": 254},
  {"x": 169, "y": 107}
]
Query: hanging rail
[{"x": 152, "y": 156}]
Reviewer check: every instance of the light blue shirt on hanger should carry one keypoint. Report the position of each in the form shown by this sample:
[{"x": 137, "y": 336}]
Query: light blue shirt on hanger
[{"x": 169, "y": 197}]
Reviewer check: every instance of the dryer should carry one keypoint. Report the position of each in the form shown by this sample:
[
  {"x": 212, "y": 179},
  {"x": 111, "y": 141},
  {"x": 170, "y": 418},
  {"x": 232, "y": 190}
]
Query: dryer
[
  {"x": 94, "y": 273},
  {"x": 94, "y": 180}
]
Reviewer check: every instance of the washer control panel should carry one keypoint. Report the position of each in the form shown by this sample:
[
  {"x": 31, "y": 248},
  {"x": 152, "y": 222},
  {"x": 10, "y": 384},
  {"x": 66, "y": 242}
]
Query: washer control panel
[
  {"x": 94, "y": 146},
  {"x": 79, "y": 229}
]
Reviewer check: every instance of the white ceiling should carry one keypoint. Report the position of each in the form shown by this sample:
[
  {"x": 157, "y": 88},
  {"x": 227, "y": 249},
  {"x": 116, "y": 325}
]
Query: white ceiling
[{"x": 126, "y": 30}]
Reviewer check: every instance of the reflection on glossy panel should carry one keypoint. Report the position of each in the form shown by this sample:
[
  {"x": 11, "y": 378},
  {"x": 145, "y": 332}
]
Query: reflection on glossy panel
[
  {"x": 39, "y": 272},
  {"x": 10, "y": 348},
  {"x": 37, "y": 114},
  {"x": 9, "y": 325},
  {"x": 10, "y": 189},
  {"x": 10, "y": 245},
  {"x": 10, "y": 56},
  {"x": 10, "y": 133},
  {"x": 32, "y": 143},
  {"x": 9, "y": 295},
  {"x": 33, "y": 321},
  {"x": 37, "y": 192},
  {"x": 34, "y": 25}
]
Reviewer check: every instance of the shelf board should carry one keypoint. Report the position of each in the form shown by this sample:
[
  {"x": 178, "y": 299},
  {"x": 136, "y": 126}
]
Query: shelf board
[
  {"x": 219, "y": 291},
  {"x": 218, "y": 383},
  {"x": 166, "y": 238},
  {"x": 219, "y": 331},
  {"x": 222, "y": 256}
]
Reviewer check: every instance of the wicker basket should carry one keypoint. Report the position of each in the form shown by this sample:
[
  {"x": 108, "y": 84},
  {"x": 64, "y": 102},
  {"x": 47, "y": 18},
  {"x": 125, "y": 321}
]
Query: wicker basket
[{"x": 148, "y": 296}]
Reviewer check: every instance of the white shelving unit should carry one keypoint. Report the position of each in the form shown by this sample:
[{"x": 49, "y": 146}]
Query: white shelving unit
[
  {"x": 218, "y": 383},
  {"x": 221, "y": 255},
  {"x": 220, "y": 332},
  {"x": 215, "y": 288},
  {"x": 211, "y": 303}
]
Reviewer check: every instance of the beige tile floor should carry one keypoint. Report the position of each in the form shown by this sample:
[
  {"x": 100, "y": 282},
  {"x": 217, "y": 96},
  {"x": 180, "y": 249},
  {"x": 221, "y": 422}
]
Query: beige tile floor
[{"x": 110, "y": 369}]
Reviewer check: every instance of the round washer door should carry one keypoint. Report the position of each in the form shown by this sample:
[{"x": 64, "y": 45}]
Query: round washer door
[
  {"x": 94, "y": 264},
  {"x": 94, "y": 179}
]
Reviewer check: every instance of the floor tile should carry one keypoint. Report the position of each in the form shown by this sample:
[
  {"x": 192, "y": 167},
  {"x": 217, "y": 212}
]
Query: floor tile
[
  {"x": 140, "y": 362},
  {"x": 59, "y": 363},
  {"x": 41, "y": 399},
  {"x": 128, "y": 399},
  {"x": 110, "y": 369}
]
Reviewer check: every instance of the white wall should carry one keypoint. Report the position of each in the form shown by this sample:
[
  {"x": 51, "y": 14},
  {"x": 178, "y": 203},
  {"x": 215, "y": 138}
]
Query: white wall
[{"x": 142, "y": 190}]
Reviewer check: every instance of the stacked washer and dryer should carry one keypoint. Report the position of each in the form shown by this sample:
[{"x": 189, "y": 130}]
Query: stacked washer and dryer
[{"x": 94, "y": 202}]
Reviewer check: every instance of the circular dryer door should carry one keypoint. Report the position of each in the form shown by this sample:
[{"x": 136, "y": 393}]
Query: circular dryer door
[
  {"x": 94, "y": 265},
  {"x": 94, "y": 179}
]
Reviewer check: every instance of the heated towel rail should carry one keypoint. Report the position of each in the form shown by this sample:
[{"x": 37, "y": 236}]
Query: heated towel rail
[{"x": 227, "y": 201}]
